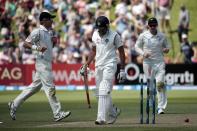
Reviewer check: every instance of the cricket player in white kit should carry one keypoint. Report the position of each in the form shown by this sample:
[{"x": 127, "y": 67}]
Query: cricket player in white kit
[
  {"x": 151, "y": 44},
  {"x": 105, "y": 44},
  {"x": 40, "y": 41}
]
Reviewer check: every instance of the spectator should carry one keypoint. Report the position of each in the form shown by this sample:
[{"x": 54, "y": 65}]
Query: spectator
[
  {"x": 121, "y": 8},
  {"x": 85, "y": 47},
  {"x": 138, "y": 9},
  {"x": 80, "y": 6},
  {"x": 186, "y": 50},
  {"x": 62, "y": 56},
  {"x": 194, "y": 57},
  {"x": 150, "y": 6},
  {"x": 163, "y": 8},
  {"x": 10, "y": 7},
  {"x": 139, "y": 15},
  {"x": 100, "y": 12},
  {"x": 35, "y": 12},
  {"x": 21, "y": 32},
  {"x": 121, "y": 23},
  {"x": 5, "y": 20},
  {"x": 62, "y": 10},
  {"x": 4, "y": 57},
  {"x": 108, "y": 3},
  {"x": 184, "y": 20},
  {"x": 8, "y": 38},
  {"x": 2, "y": 6},
  {"x": 19, "y": 12},
  {"x": 129, "y": 39},
  {"x": 48, "y": 5}
]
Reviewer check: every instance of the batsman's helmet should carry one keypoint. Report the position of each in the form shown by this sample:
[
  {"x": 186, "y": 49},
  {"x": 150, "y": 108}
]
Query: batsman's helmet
[
  {"x": 102, "y": 21},
  {"x": 152, "y": 20}
]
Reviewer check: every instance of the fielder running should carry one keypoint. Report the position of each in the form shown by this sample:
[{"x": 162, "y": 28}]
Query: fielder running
[
  {"x": 105, "y": 44},
  {"x": 40, "y": 41},
  {"x": 151, "y": 44}
]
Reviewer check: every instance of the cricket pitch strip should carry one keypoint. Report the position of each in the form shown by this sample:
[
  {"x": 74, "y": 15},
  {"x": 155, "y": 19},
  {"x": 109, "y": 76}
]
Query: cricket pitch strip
[{"x": 164, "y": 120}]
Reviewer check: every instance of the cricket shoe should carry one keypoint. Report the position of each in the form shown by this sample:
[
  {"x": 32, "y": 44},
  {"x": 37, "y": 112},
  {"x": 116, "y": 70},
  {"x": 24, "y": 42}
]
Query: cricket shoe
[
  {"x": 97, "y": 122},
  {"x": 113, "y": 118},
  {"x": 12, "y": 110},
  {"x": 160, "y": 111},
  {"x": 61, "y": 115}
]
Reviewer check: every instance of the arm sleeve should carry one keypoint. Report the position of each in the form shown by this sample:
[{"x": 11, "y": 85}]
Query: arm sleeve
[
  {"x": 93, "y": 40},
  {"x": 33, "y": 37},
  {"x": 139, "y": 45},
  {"x": 165, "y": 43},
  {"x": 118, "y": 41}
]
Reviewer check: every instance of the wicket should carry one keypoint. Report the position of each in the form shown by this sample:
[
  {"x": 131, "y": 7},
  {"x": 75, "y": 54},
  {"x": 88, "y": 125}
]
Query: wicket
[
  {"x": 151, "y": 94},
  {"x": 141, "y": 102}
]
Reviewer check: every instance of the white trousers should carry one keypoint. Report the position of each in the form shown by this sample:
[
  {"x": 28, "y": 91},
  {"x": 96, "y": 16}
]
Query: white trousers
[
  {"x": 157, "y": 71},
  {"x": 43, "y": 78},
  {"x": 104, "y": 83}
]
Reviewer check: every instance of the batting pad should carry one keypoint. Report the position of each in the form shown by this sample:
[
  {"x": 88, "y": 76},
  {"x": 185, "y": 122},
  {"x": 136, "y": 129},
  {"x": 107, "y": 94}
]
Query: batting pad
[
  {"x": 104, "y": 88},
  {"x": 112, "y": 109},
  {"x": 103, "y": 108}
]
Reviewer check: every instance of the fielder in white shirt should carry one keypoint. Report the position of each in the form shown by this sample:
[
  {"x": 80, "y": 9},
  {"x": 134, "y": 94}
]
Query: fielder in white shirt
[
  {"x": 152, "y": 45},
  {"x": 105, "y": 44},
  {"x": 40, "y": 41}
]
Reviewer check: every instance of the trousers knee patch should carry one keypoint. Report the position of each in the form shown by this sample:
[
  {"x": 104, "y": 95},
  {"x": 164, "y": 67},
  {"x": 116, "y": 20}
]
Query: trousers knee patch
[{"x": 104, "y": 88}]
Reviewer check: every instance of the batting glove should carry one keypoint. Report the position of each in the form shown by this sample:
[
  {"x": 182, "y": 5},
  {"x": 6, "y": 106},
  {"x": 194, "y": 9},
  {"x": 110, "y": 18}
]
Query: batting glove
[
  {"x": 83, "y": 69},
  {"x": 121, "y": 76}
]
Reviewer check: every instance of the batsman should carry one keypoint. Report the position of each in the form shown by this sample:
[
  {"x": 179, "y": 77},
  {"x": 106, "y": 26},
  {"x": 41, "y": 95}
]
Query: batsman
[
  {"x": 105, "y": 44},
  {"x": 152, "y": 45}
]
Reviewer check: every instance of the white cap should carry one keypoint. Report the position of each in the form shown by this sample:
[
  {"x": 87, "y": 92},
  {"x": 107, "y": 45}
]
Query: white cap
[{"x": 184, "y": 36}]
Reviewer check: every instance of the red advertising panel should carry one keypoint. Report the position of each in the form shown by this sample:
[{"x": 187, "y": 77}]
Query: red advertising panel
[
  {"x": 12, "y": 74},
  {"x": 64, "y": 74},
  {"x": 69, "y": 74},
  {"x": 29, "y": 72}
]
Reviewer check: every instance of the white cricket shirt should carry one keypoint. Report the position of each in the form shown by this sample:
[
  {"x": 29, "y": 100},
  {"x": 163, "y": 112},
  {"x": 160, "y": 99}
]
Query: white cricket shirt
[
  {"x": 106, "y": 47},
  {"x": 152, "y": 44},
  {"x": 42, "y": 37}
]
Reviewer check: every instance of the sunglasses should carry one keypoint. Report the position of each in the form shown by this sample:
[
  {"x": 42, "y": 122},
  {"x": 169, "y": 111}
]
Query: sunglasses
[{"x": 47, "y": 20}]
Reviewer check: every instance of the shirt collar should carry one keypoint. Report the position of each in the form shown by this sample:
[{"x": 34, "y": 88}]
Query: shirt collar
[
  {"x": 106, "y": 34},
  {"x": 43, "y": 28}
]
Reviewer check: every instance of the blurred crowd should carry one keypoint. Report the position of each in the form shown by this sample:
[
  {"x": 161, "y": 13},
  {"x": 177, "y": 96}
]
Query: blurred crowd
[{"x": 74, "y": 25}]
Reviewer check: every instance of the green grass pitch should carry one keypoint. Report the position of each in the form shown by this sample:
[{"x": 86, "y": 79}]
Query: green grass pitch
[{"x": 35, "y": 113}]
